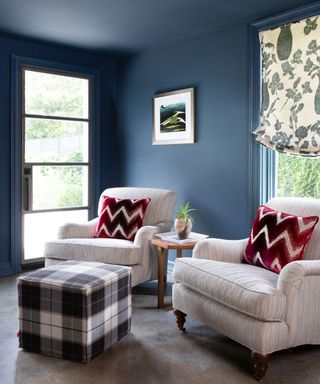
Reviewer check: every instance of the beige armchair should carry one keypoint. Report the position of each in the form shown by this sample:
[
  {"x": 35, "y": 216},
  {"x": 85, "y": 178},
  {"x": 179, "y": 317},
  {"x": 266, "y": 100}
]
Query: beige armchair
[
  {"x": 77, "y": 241},
  {"x": 260, "y": 309}
]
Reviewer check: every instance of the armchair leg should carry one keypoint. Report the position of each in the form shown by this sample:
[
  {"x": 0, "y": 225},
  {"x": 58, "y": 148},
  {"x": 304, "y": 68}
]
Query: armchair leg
[
  {"x": 180, "y": 319},
  {"x": 260, "y": 364}
]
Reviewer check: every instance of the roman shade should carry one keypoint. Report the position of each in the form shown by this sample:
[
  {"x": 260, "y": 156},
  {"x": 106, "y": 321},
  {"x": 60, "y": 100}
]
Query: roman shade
[{"x": 290, "y": 89}]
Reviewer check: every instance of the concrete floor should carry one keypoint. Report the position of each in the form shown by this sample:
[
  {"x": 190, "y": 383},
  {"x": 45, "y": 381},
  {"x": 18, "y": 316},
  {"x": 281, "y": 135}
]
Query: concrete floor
[{"x": 155, "y": 352}]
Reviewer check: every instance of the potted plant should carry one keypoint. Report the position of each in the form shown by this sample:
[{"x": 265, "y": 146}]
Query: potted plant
[{"x": 184, "y": 220}]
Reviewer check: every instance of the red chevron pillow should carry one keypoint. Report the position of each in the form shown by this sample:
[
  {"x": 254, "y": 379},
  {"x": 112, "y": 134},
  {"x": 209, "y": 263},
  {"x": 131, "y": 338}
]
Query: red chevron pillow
[
  {"x": 121, "y": 218},
  {"x": 277, "y": 238}
]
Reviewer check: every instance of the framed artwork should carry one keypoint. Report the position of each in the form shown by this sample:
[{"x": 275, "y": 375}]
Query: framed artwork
[{"x": 173, "y": 117}]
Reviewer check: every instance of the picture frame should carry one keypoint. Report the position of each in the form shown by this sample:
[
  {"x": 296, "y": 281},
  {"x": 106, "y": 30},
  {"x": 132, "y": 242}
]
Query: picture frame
[{"x": 173, "y": 117}]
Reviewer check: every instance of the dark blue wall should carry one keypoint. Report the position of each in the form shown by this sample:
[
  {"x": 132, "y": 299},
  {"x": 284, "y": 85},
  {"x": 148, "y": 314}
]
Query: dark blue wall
[
  {"x": 212, "y": 173},
  {"x": 107, "y": 67}
]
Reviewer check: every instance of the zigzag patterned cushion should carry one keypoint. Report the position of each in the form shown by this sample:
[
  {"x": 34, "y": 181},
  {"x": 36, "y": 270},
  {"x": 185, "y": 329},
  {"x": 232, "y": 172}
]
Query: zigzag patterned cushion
[
  {"x": 121, "y": 218},
  {"x": 278, "y": 238}
]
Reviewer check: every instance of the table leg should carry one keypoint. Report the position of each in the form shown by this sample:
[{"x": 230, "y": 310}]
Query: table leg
[
  {"x": 161, "y": 256},
  {"x": 179, "y": 253}
]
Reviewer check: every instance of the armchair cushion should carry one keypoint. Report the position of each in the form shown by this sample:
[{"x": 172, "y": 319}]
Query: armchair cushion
[
  {"x": 278, "y": 238},
  {"x": 121, "y": 218},
  {"x": 243, "y": 287},
  {"x": 111, "y": 251}
]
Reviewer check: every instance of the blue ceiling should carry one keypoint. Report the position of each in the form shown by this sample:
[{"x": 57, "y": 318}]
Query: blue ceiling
[{"x": 125, "y": 25}]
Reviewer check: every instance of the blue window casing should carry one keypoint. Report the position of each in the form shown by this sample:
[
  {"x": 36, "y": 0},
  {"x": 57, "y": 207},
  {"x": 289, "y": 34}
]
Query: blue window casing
[
  {"x": 17, "y": 63},
  {"x": 262, "y": 160}
]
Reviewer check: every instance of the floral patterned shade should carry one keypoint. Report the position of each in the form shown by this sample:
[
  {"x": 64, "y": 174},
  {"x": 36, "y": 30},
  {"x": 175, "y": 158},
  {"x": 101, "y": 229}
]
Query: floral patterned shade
[{"x": 290, "y": 87}]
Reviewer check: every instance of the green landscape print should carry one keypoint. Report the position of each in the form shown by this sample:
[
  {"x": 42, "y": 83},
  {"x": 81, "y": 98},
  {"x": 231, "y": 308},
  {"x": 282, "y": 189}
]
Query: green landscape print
[{"x": 173, "y": 118}]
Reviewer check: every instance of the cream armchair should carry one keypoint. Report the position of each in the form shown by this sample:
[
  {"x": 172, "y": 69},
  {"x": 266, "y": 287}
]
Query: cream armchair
[
  {"x": 77, "y": 241},
  {"x": 260, "y": 309}
]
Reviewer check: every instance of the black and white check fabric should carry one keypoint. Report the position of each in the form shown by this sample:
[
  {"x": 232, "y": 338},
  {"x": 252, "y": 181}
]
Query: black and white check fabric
[{"x": 74, "y": 310}]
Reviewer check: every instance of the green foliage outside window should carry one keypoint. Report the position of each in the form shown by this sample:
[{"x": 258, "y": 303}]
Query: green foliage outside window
[
  {"x": 59, "y": 187},
  {"x": 298, "y": 176},
  {"x": 43, "y": 129},
  {"x": 53, "y": 95}
]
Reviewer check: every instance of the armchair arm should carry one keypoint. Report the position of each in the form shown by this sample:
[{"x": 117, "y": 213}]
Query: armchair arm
[
  {"x": 146, "y": 232},
  {"x": 300, "y": 282},
  {"x": 76, "y": 230},
  {"x": 293, "y": 274},
  {"x": 230, "y": 251}
]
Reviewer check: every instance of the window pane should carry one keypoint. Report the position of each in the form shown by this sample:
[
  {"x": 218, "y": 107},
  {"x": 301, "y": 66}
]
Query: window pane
[
  {"x": 42, "y": 227},
  {"x": 56, "y": 95},
  {"x": 55, "y": 140},
  {"x": 298, "y": 176},
  {"x": 59, "y": 186}
]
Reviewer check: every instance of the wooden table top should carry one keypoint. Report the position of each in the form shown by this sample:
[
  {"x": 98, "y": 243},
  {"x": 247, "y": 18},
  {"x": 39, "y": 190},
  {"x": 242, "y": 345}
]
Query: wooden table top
[{"x": 169, "y": 245}]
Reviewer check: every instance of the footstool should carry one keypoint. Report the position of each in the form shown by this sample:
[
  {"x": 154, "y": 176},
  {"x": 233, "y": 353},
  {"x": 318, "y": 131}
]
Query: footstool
[{"x": 74, "y": 310}]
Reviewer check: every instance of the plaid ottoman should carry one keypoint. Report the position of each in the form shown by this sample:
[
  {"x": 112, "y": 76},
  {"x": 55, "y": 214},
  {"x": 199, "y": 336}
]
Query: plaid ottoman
[{"x": 74, "y": 310}]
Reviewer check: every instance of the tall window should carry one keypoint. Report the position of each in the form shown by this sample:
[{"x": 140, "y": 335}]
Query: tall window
[
  {"x": 286, "y": 105},
  {"x": 55, "y": 126}
]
